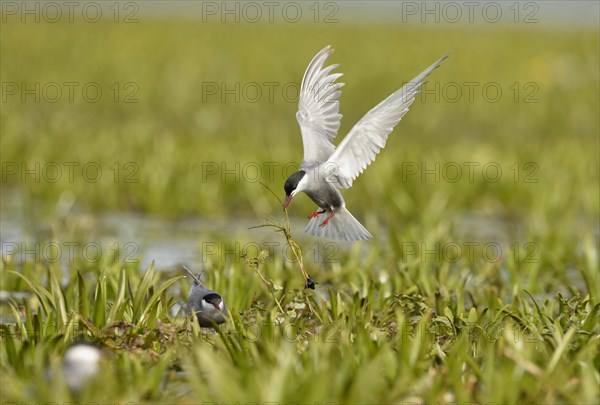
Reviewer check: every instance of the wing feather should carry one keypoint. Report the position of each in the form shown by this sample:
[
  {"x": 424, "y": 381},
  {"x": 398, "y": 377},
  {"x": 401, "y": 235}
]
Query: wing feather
[
  {"x": 318, "y": 109},
  {"x": 364, "y": 141}
]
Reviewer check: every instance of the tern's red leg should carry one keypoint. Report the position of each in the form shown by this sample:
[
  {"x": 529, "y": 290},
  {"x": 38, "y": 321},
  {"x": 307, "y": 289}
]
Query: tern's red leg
[
  {"x": 316, "y": 214},
  {"x": 327, "y": 219}
]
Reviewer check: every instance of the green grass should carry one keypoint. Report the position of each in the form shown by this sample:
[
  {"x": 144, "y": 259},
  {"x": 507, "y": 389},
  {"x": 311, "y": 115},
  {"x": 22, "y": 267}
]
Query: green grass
[
  {"x": 411, "y": 335},
  {"x": 386, "y": 323}
]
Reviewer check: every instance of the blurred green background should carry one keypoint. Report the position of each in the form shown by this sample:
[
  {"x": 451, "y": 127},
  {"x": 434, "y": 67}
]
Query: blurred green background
[
  {"x": 192, "y": 115},
  {"x": 176, "y": 125},
  {"x": 179, "y": 132}
]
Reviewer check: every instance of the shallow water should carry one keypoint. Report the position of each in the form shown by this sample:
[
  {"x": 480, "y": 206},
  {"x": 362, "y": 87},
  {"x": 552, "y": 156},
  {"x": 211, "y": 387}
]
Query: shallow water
[{"x": 193, "y": 241}]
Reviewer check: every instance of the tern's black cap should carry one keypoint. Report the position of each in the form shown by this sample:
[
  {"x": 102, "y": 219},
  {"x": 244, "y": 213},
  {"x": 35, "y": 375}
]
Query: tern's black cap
[{"x": 292, "y": 182}]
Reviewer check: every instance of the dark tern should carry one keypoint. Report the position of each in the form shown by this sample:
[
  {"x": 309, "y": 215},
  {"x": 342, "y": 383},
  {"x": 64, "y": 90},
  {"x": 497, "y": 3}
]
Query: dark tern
[
  {"x": 325, "y": 169},
  {"x": 208, "y": 305}
]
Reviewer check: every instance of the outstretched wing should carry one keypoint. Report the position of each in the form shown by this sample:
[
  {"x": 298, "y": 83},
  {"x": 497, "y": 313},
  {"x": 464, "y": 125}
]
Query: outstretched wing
[
  {"x": 364, "y": 141},
  {"x": 318, "y": 109}
]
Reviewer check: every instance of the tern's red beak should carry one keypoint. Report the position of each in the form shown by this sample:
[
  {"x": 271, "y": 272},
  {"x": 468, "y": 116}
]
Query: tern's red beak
[{"x": 288, "y": 199}]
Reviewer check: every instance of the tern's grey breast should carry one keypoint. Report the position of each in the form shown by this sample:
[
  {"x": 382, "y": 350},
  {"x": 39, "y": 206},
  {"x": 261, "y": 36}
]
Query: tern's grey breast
[{"x": 325, "y": 195}]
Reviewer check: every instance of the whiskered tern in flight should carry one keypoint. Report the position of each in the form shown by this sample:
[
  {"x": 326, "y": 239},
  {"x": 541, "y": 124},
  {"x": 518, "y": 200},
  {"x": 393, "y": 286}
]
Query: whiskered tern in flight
[{"x": 325, "y": 169}]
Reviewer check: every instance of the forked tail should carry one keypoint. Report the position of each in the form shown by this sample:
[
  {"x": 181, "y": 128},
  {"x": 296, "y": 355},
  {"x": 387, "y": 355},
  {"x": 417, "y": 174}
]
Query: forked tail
[{"x": 342, "y": 226}]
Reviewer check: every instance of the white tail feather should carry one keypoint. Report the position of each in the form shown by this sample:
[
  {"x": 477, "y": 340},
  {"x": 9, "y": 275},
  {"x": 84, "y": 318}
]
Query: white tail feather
[{"x": 342, "y": 226}]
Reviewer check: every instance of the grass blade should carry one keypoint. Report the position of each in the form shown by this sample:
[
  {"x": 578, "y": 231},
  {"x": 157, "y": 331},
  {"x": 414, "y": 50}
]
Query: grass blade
[
  {"x": 141, "y": 292},
  {"x": 99, "y": 314},
  {"x": 118, "y": 306},
  {"x": 560, "y": 350},
  {"x": 58, "y": 300},
  {"x": 42, "y": 294},
  {"x": 155, "y": 299},
  {"x": 591, "y": 321},
  {"x": 83, "y": 306}
]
